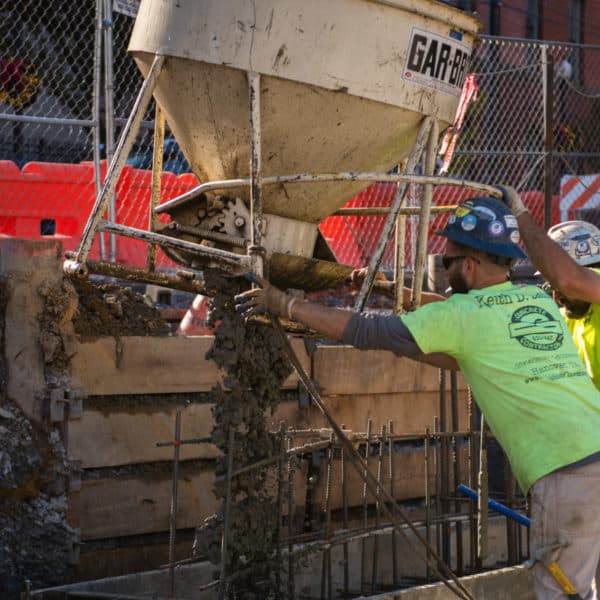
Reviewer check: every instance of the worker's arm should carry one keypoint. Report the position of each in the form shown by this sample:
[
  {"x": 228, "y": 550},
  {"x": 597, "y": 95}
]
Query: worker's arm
[
  {"x": 557, "y": 267},
  {"x": 363, "y": 331}
]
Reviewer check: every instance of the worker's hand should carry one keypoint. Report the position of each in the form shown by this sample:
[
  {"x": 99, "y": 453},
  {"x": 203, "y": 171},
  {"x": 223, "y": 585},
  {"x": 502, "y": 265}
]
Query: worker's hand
[
  {"x": 512, "y": 199},
  {"x": 358, "y": 276},
  {"x": 266, "y": 298}
]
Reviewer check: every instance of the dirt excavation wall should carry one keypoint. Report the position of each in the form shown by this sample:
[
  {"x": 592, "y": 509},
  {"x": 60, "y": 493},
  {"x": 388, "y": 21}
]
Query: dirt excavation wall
[{"x": 92, "y": 380}]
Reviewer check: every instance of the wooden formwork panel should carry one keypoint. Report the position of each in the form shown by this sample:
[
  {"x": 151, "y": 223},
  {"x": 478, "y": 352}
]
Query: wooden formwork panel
[
  {"x": 113, "y": 506},
  {"x": 150, "y": 365},
  {"x": 346, "y": 370},
  {"x": 410, "y": 412}
]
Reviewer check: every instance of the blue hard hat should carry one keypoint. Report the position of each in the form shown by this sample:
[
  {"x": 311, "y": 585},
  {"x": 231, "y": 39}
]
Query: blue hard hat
[{"x": 485, "y": 224}]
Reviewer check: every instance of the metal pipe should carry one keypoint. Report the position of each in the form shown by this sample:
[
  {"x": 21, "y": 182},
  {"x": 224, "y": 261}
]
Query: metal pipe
[
  {"x": 157, "y": 169},
  {"x": 384, "y": 210},
  {"x": 116, "y": 165},
  {"x": 96, "y": 110},
  {"x": 423, "y": 230},
  {"x": 399, "y": 264},
  {"x": 548, "y": 90},
  {"x": 324, "y": 177},
  {"x": 256, "y": 217},
  {"x": 171, "y": 242},
  {"x": 178, "y": 282},
  {"x": 373, "y": 268},
  {"x": 109, "y": 115},
  {"x": 497, "y": 506}
]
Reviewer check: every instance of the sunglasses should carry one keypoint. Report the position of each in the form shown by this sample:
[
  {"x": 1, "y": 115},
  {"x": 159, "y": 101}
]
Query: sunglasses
[{"x": 448, "y": 260}]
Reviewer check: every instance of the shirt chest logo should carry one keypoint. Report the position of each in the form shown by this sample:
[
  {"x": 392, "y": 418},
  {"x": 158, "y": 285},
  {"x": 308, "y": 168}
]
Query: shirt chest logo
[{"x": 534, "y": 327}]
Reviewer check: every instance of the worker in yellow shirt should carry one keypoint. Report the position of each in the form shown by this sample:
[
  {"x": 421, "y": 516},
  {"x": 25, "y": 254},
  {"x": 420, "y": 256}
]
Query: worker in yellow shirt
[{"x": 566, "y": 257}]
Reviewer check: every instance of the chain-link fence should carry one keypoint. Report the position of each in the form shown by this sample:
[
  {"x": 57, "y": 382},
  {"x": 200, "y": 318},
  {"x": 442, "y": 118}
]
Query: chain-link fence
[{"x": 67, "y": 86}]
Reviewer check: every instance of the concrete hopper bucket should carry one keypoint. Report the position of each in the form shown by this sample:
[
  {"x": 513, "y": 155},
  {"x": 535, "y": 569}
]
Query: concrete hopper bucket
[{"x": 344, "y": 86}]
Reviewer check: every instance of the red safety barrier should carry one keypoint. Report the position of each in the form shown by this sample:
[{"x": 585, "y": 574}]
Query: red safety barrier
[{"x": 354, "y": 239}]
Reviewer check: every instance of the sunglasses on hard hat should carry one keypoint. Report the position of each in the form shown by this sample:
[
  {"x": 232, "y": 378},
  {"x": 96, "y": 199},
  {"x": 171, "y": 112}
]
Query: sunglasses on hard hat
[{"x": 448, "y": 260}]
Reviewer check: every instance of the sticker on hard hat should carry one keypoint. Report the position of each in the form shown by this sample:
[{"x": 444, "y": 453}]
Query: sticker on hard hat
[
  {"x": 495, "y": 228},
  {"x": 484, "y": 210},
  {"x": 451, "y": 219},
  {"x": 514, "y": 236},
  {"x": 469, "y": 222},
  {"x": 436, "y": 61},
  {"x": 582, "y": 249},
  {"x": 510, "y": 221},
  {"x": 461, "y": 211}
]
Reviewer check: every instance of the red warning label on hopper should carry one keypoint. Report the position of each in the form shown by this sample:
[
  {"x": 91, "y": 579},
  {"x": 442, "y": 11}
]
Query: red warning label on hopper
[{"x": 436, "y": 61}]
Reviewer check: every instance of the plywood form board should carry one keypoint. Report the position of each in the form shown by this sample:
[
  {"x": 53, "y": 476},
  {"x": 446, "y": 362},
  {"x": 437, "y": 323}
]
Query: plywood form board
[
  {"x": 411, "y": 412},
  {"x": 346, "y": 370},
  {"x": 111, "y": 507},
  {"x": 106, "y": 439},
  {"x": 151, "y": 365}
]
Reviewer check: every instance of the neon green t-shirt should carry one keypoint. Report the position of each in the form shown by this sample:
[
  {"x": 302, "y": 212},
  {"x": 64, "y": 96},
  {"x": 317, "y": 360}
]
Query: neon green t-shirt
[
  {"x": 516, "y": 352},
  {"x": 584, "y": 331}
]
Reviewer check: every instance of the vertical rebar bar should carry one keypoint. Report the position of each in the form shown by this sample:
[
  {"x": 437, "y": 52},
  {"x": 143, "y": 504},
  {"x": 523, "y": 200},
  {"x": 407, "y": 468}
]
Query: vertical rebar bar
[
  {"x": 344, "y": 519},
  {"x": 482, "y": 501},
  {"x": 326, "y": 556},
  {"x": 291, "y": 513},
  {"x": 455, "y": 426},
  {"x": 363, "y": 543},
  {"x": 174, "y": 490},
  {"x": 392, "y": 491},
  {"x": 225, "y": 535},
  {"x": 375, "y": 565},
  {"x": 280, "y": 475},
  {"x": 427, "y": 504},
  {"x": 438, "y": 485}
]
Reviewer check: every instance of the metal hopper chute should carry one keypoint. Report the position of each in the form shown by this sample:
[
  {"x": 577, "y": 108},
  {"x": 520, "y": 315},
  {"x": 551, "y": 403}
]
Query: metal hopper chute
[{"x": 286, "y": 109}]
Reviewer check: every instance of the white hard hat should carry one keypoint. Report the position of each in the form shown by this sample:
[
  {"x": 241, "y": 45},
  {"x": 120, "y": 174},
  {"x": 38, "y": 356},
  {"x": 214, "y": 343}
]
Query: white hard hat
[{"x": 580, "y": 239}]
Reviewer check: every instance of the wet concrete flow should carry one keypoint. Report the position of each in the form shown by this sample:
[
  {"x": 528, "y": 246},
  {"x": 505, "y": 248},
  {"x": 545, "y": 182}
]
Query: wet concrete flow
[{"x": 252, "y": 358}]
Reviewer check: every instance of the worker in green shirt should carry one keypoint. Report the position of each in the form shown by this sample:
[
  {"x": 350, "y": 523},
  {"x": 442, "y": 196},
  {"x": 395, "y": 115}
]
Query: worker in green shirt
[
  {"x": 566, "y": 257},
  {"x": 516, "y": 352}
]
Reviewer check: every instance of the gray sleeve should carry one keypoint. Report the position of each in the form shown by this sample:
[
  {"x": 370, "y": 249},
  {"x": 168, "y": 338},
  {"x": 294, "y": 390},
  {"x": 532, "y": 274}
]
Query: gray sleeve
[{"x": 380, "y": 332}]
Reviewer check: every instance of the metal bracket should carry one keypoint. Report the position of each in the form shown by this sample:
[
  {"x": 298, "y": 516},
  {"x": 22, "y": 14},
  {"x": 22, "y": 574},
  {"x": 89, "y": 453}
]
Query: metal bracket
[
  {"x": 59, "y": 397},
  {"x": 75, "y": 548}
]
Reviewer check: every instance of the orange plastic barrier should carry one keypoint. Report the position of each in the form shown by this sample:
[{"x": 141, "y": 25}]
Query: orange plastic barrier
[{"x": 54, "y": 200}]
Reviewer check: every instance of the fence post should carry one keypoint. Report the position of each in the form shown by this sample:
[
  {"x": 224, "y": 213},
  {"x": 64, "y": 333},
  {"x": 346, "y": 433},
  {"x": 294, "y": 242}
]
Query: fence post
[{"x": 548, "y": 82}]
